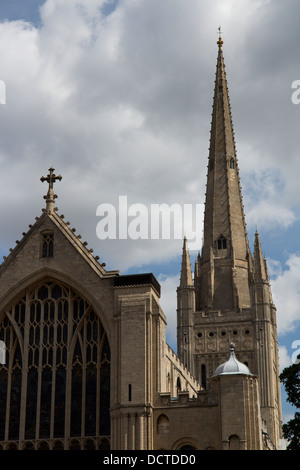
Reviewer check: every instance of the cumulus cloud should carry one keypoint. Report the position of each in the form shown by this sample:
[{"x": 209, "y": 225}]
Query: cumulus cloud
[
  {"x": 168, "y": 302},
  {"x": 286, "y": 293},
  {"x": 284, "y": 358},
  {"x": 117, "y": 97}
]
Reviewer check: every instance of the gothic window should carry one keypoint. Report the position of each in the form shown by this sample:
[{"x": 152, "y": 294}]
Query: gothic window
[
  {"x": 234, "y": 443},
  {"x": 163, "y": 425},
  {"x": 178, "y": 386},
  {"x": 47, "y": 244},
  {"x": 231, "y": 164},
  {"x": 222, "y": 243},
  {"x": 41, "y": 330}
]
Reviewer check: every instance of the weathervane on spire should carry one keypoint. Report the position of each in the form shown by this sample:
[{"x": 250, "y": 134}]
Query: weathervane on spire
[
  {"x": 50, "y": 198},
  {"x": 220, "y": 42}
]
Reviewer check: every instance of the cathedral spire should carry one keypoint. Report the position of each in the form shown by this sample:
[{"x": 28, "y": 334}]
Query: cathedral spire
[
  {"x": 186, "y": 278},
  {"x": 222, "y": 135},
  {"x": 50, "y": 197},
  {"x": 225, "y": 242}
]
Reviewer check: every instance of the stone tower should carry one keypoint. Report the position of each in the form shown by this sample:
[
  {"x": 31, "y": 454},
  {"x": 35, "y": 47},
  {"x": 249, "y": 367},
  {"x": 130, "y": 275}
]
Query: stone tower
[{"x": 231, "y": 289}]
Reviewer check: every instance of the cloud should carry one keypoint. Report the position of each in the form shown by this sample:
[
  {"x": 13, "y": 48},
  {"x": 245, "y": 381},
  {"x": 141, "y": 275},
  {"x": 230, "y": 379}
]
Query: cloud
[
  {"x": 286, "y": 293},
  {"x": 168, "y": 302},
  {"x": 284, "y": 358},
  {"x": 120, "y": 104}
]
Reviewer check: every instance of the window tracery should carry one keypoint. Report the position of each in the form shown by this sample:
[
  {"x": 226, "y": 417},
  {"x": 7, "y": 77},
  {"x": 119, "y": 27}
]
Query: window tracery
[
  {"x": 47, "y": 244},
  {"x": 44, "y": 328}
]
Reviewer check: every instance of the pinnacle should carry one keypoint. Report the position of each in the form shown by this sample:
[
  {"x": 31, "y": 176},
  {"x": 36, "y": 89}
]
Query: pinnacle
[
  {"x": 186, "y": 278},
  {"x": 259, "y": 261}
]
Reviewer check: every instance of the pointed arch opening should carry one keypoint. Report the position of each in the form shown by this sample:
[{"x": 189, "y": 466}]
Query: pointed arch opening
[
  {"x": 232, "y": 164},
  {"x": 222, "y": 243},
  {"x": 56, "y": 379}
]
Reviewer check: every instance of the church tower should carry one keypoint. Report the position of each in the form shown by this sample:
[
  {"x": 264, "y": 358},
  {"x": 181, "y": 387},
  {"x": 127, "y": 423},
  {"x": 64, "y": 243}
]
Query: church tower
[{"x": 231, "y": 288}]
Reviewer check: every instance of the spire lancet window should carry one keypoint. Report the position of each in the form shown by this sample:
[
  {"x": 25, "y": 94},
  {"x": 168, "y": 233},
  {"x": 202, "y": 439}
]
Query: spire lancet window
[
  {"x": 221, "y": 243},
  {"x": 231, "y": 163}
]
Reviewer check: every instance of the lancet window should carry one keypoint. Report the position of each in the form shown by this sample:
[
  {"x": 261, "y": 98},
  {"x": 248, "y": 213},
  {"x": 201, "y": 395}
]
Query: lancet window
[
  {"x": 222, "y": 243},
  {"x": 231, "y": 164},
  {"x": 47, "y": 244}
]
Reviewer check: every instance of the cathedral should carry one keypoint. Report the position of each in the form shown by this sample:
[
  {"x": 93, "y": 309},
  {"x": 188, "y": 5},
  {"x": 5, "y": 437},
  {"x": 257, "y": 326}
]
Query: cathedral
[{"x": 86, "y": 365}]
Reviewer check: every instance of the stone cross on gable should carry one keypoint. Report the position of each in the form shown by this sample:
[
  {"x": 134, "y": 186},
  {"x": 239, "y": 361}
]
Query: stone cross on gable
[
  {"x": 51, "y": 178},
  {"x": 50, "y": 198}
]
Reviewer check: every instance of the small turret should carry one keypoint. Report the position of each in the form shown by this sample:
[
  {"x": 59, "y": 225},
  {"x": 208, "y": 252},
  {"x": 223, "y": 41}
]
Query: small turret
[
  {"x": 185, "y": 311},
  {"x": 186, "y": 278},
  {"x": 259, "y": 262}
]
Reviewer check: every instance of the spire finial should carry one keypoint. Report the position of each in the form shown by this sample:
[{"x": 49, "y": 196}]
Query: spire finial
[
  {"x": 50, "y": 198},
  {"x": 220, "y": 41}
]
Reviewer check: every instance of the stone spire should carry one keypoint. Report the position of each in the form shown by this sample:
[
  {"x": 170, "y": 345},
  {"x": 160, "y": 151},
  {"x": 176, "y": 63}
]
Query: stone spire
[
  {"x": 50, "y": 197},
  {"x": 186, "y": 278},
  {"x": 260, "y": 271},
  {"x": 225, "y": 242}
]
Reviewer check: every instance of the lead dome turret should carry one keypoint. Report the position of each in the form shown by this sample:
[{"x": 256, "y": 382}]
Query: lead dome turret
[{"x": 232, "y": 366}]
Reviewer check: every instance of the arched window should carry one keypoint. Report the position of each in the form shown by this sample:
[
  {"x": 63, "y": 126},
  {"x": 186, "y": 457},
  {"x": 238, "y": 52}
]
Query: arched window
[
  {"x": 231, "y": 164},
  {"x": 234, "y": 443},
  {"x": 52, "y": 333},
  {"x": 222, "y": 243},
  {"x": 187, "y": 447},
  {"x": 47, "y": 244},
  {"x": 178, "y": 385},
  {"x": 163, "y": 425},
  {"x": 203, "y": 376}
]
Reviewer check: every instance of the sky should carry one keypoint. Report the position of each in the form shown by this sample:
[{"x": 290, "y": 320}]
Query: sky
[{"x": 116, "y": 95}]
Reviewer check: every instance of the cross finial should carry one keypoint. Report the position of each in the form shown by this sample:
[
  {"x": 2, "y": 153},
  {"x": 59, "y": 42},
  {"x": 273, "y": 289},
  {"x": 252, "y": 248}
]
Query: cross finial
[
  {"x": 50, "y": 198},
  {"x": 220, "y": 42}
]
